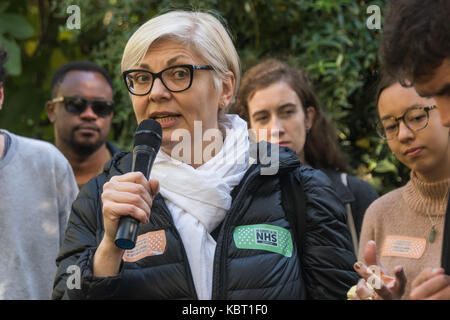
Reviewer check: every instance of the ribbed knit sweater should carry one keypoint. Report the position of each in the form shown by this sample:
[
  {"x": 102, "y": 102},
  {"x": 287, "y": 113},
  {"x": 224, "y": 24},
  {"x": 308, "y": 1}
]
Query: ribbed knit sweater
[{"x": 400, "y": 223}]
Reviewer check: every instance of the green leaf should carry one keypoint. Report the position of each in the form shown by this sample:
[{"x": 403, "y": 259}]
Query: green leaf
[
  {"x": 385, "y": 166},
  {"x": 13, "y": 65},
  {"x": 15, "y": 25},
  {"x": 4, "y": 6},
  {"x": 339, "y": 60}
]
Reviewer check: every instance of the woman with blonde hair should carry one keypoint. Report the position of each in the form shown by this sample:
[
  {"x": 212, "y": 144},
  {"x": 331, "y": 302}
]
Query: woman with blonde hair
[{"x": 207, "y": 224}]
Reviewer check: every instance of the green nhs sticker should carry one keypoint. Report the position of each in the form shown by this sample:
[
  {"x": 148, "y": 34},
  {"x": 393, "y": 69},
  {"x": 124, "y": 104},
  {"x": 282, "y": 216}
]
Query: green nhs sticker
[{"x": 264, "y": 237}]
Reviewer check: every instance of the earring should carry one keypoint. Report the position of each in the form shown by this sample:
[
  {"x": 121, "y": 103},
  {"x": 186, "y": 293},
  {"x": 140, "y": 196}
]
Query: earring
[{"x": 223, "y": 104}]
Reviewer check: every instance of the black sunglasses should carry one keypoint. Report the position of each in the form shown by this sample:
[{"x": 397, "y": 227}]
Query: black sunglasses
[{"x": 77, "y": 105}]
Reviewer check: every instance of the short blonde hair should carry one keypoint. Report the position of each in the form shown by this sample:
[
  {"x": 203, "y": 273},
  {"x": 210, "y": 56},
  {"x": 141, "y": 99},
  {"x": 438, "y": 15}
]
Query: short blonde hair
[{"x": 200, "y": 31}]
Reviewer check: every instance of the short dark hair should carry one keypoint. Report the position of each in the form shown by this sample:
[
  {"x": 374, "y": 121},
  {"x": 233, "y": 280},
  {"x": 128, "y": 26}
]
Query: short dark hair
[
  {"x": 81, "y": 65},
  {"x": 416, "y": 39},
  {"x": 321, "y": 146},
  {"x": 3, "y": 58},
  {"x": 385, "y": 80}
]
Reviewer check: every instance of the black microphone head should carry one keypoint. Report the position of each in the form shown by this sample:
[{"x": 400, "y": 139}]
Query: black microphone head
[{"x": 149, "y": 133}]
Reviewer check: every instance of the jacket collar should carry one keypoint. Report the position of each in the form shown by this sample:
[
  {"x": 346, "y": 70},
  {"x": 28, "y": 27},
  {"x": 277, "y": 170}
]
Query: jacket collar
[
  {"x": 263, "y": 160},
  {"x": 112, "y": 148}
]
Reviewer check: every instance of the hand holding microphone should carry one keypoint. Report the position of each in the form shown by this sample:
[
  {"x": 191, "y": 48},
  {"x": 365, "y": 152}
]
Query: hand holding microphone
[
  {"x": 147, "y": 141},
  {"x": 128, "y": 195},
  {"x": 127, "y": 200}
]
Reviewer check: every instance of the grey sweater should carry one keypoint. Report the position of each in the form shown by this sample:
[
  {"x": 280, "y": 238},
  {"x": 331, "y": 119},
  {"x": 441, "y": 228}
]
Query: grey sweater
[{"x": 37, "y": 188}]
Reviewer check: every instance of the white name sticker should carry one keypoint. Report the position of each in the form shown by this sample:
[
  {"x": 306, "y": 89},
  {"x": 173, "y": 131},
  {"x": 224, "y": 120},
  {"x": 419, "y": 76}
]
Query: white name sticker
[{"x": 407, "y": 247}]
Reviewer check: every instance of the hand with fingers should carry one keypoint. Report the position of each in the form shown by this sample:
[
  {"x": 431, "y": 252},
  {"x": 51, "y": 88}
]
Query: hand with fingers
[
  {"x": 375, "y": 282},
  {"x": 431, "y": 284},
  {"x": 129, "y": 194}
]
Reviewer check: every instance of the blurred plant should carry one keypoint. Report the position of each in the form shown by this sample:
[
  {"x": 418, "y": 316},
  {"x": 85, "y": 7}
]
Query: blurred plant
[
  {"x": 13, "y": 27},
  {"x": 327, "y": 38}
]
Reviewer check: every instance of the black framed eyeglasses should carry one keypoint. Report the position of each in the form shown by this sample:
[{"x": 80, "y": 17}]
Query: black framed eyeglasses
[
  {"x": 415, "y": 119},
  {"x": 176, "y": 78},
  {"x": 77, "y": 105}
]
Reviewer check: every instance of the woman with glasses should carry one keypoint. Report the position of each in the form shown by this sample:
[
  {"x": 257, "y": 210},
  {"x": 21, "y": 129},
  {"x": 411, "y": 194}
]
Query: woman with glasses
[
  {"x": 217, "y": 228},
  {"x": 279, "y": 104},
  {"x": 402, "y": 230}
]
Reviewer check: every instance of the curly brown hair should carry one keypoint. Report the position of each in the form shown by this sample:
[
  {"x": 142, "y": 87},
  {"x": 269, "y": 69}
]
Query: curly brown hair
[
  {"x": 321, "y": 147},
  {"x": 416, "y": 39}
]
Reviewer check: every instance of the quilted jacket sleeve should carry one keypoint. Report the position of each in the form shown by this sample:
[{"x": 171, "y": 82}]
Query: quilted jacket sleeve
[{"x": 328, "y": 256}]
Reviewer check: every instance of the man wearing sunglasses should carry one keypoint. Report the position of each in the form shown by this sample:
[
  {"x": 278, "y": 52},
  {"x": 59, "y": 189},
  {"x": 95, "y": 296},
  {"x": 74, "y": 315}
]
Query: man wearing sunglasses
[
  {"x": 81, "y": 110},
  {"x": 415, "y": 49},
  {"x": 37, "y": 188}
]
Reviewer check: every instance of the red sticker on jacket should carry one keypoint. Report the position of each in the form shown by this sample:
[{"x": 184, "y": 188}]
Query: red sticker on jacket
[{"x": 147, "y": 244}]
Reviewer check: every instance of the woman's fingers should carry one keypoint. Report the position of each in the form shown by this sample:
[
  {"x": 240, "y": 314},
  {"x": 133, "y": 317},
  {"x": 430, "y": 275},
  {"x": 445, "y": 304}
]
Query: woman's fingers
[
  {"x": 154, "y": 187},
  {"x": 371, "y": 257},
  {"x": 143, "y": 202},
  {"x": 431, "y": 287},
  {"x": 129, "y": 194},
  {"x": 111, "y": 192},
  {"x": 374, "y": 280},
  {"x": 136, "y": 177},
  {"x": 370, "y": 253},
  {"x": 363, "y": 292},
  {"x": 399, "y": 285},
  {"x": 425, "y": 275},
  {"x": 114, "y": 211}
]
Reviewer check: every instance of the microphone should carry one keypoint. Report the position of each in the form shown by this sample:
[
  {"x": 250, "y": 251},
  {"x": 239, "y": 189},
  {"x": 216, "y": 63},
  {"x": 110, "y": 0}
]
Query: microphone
[{"x": 147, "y": 141}]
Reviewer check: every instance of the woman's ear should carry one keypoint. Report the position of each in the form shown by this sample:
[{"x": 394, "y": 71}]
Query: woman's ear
[
  {"x": 228, "y": 85},
  {"x": 309, "y": 117}
]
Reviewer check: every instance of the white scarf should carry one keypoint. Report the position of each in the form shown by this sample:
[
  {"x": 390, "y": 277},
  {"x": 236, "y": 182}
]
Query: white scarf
[{"x": 198, "y": 199}]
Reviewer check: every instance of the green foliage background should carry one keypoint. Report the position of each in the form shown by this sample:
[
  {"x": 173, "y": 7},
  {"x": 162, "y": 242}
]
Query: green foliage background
[{"x": 327, "y": 38}]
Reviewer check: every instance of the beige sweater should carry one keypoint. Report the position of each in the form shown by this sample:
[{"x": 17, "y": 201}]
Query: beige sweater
[{"x": 399, "y": 223}]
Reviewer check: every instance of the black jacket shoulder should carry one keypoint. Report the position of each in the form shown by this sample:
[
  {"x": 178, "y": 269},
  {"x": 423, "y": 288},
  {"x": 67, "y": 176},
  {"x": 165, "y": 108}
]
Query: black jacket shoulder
[{"x": 328, "y": 252}]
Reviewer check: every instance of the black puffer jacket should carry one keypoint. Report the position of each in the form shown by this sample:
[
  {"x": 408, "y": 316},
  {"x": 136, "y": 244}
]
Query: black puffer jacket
[{"x": 267, "y": 267}]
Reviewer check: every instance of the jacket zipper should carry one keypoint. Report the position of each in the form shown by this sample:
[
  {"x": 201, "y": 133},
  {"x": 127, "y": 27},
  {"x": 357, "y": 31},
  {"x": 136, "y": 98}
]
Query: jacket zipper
[{"x": 219, "y": 291}]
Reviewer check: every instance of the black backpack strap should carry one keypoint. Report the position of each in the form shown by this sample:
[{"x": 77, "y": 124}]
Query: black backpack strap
[{"x": 293, "y": 200}]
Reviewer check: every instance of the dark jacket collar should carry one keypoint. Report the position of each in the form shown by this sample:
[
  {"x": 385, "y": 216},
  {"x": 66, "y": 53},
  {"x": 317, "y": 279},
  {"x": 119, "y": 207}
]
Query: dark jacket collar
[{"x": 112, "y": 148}]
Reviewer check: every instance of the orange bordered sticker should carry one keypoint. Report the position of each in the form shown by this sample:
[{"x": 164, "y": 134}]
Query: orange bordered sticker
[
  {"x": 408, "y": 247},
  {"x": 147, "y": 244}
]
